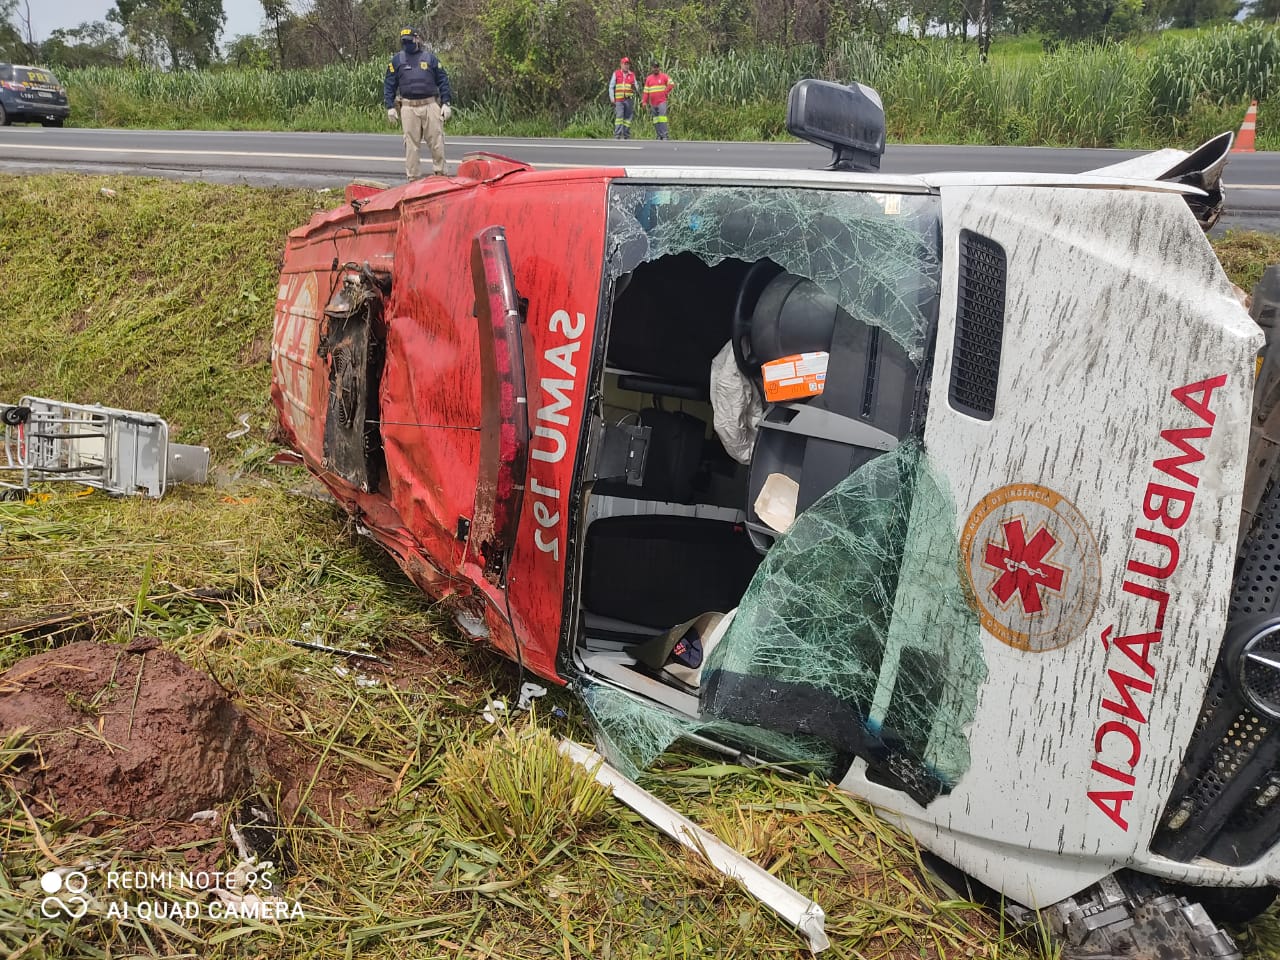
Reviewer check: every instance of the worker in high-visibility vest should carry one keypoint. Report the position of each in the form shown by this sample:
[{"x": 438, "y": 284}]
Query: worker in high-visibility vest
[
  {"x": 622, "y": 92},
  {"x": 657, "y": 86}
]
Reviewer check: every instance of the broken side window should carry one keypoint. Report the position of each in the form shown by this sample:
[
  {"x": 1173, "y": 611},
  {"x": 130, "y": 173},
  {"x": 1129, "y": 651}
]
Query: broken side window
[
  {"x": 877, "y": 254},
  {"x": 857, "y": 630}
]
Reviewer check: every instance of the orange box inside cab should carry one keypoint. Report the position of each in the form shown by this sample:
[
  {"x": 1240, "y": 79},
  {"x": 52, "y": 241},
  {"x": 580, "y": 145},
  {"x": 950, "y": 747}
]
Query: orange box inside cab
[{"x": 791, "y": 378}]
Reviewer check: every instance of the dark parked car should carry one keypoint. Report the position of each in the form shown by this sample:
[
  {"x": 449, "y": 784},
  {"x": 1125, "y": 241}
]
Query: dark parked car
[{"x": 31, "y": 94}]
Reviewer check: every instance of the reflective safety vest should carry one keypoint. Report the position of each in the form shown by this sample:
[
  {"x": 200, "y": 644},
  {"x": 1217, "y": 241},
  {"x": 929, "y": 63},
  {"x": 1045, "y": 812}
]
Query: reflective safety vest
[
  {"x": 656, "y": 88},
  {"x": 624, "y": 84}
]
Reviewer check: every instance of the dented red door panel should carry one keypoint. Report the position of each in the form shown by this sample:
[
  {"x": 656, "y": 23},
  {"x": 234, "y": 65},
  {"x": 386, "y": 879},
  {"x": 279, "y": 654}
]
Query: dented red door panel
[
  {"x": 431, "y": 385},
  {"x": 430, "y": 388}
]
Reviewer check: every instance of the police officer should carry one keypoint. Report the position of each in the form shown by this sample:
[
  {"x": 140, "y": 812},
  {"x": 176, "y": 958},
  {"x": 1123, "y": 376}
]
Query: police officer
[
  {"x": 622, "y": 91},
  {"x": 416, "y": 81}
]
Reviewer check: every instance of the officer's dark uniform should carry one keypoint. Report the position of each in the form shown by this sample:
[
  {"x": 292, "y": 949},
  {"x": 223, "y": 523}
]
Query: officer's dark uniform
[{"x": 416, "y": 78}]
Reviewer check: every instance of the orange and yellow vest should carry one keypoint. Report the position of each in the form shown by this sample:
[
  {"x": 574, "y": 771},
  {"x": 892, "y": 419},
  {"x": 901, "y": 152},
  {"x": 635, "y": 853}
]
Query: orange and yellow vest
[
  {"x": 624, "y": 84},
  {"x": 656, "y": 88}
]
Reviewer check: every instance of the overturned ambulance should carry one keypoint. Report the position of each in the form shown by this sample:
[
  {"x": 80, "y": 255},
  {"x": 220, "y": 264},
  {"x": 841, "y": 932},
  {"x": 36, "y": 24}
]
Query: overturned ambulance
[{"x": 940, "y": 485}]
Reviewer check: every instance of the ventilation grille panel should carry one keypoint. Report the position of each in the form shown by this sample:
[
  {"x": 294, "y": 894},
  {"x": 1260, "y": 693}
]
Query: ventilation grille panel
[{"x": 975, "y": 365}]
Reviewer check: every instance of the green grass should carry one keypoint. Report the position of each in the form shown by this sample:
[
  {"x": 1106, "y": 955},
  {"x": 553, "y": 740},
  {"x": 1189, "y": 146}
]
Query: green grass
[
  {"x": 1176, "y": 88},
  {"x": 399, "y": 852},
  {"x": 153, "y": 297}
]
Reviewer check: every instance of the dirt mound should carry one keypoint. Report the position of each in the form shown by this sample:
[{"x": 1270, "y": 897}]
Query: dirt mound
[{"x": 165, "y": 745}]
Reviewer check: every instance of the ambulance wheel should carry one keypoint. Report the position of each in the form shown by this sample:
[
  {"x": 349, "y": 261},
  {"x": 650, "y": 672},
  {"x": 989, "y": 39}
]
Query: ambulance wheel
[
  {"x": 1231, "y": 905},
  {"x": 12, "y": 416}
]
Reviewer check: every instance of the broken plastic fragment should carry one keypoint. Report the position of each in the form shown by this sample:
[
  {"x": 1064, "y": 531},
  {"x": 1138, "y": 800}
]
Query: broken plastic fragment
[
  {"x": 244, "y": 427},
  {"x": 794, "y": 907},
  {"x": 528, "y": 693},
  {"x": 493, "y": 710}
]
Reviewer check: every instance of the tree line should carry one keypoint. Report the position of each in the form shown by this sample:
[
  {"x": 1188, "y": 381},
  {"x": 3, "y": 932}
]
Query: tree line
[{"x": 555, "y": 52}]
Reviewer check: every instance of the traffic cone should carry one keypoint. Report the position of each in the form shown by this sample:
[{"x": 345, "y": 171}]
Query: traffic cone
[{"x": 1244, "y": 139}]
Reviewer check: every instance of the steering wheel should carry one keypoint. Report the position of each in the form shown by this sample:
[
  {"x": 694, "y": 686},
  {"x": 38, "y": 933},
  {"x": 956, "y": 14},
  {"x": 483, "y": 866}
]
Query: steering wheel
[{"x": 757, "y": 277}]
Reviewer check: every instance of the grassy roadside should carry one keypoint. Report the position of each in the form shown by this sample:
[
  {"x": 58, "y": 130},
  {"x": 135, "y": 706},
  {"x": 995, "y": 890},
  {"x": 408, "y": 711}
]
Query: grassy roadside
[
  {"x": 1175, "y": 90},
  {"x": 156, "y": 298}
]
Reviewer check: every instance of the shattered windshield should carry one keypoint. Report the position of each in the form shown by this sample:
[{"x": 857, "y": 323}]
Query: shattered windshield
[
  {"x": 855, "y": 637},
  {"x": 877, "y": 254}
]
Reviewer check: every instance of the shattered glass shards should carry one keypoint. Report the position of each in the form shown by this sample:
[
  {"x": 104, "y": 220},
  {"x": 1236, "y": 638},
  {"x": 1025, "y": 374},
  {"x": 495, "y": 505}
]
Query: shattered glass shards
[
  {"x": 857, "y": 630},
  {"x": 877, "y": 254},
  {"x": 631, "y": 732}
]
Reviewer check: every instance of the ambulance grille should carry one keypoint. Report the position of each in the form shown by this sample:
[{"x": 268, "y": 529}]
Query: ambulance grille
[
  {"x": 1225, "y": 804},
  {"x": 975, "y": 365}
]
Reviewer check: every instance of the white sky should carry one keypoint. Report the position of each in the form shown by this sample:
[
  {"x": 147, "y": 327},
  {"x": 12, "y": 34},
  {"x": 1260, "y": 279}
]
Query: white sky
[{"x": 243, "y": 16}]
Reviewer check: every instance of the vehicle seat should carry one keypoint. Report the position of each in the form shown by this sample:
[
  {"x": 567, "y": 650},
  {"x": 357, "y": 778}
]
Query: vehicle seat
[
  {"x": 658, "y": 571},
  {"x": 865, "y": 407},
  {"x": 674, "y": 458}
]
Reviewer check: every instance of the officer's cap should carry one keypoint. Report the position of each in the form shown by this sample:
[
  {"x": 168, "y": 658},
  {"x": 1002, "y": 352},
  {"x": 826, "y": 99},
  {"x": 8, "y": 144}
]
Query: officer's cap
[{"x": 408, "y": 32}]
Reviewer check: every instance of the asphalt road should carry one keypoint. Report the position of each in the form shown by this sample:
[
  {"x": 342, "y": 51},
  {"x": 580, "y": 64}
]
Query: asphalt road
[{"x": 332, "y": 159}]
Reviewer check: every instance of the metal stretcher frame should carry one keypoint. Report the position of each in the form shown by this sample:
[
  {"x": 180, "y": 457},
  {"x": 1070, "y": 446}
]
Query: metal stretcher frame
[{"x": 121, "y": 452}]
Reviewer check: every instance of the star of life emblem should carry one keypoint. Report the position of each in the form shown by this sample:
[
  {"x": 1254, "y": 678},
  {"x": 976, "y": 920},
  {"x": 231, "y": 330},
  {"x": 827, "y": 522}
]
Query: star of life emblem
[{"x": 1033, "y": 567}]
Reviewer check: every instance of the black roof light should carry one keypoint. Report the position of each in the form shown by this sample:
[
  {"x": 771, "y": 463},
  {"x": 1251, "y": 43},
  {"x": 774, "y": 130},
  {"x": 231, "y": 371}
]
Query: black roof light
[{"x": 848, "y": 119}]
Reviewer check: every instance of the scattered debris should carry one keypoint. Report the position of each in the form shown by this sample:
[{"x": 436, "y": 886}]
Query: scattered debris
[
  {"x": 107, "y": 192},
  {"x": 797, "y": 909},
  {"x": 203, "y": 816},
  {"x": 121, "y": 452},
  {"x": 361, "y": 679},
  {"x": 243, "y": 420},
  {"x": 286, "y": 458},
  {"x": 493, "y": 710},
  {"x": 338, "y": 651},
  {"x": 528, "y": 693}
]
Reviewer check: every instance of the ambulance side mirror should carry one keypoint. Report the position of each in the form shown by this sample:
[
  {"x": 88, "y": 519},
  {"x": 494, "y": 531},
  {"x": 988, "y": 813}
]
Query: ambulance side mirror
[{"x": 847, "y": 119}]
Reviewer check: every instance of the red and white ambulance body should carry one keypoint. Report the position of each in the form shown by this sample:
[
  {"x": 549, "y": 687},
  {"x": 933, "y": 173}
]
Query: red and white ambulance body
[{"x": 989, "y": 573}]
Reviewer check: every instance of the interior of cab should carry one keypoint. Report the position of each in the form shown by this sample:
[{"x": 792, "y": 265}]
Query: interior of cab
[{"x": 668, "y": 551}]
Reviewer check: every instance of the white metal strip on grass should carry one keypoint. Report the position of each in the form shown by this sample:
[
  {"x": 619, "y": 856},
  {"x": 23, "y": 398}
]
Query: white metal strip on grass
[{"x": 797, "y": 909}]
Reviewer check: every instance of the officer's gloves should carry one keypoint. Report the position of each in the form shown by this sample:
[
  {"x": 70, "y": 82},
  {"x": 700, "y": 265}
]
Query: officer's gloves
[
  {"x": 392, "y": 116},
  {"x": 445, "y": 113}
]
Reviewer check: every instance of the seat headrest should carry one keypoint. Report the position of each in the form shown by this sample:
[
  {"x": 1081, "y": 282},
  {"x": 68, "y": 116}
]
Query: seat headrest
[{"x": 793, "y": 315}]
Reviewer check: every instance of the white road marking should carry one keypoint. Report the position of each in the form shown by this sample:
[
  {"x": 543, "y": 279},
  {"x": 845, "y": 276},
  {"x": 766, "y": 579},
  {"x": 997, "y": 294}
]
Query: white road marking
[
  {"x": 603, "y": 144},
  {"x": 235, "y": 153}
]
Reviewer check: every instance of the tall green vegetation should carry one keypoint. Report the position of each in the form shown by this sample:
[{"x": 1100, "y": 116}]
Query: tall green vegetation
[{"x": 1182, "y": 90}]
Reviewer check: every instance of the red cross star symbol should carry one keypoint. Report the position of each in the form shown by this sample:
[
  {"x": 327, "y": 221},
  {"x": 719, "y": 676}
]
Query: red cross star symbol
[{"x": 1024, "y": 568}]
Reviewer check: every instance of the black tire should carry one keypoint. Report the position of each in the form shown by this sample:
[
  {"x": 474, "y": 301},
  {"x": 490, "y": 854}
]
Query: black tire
[
  {"x": 12, "y": 416},
  {"x": 5, "y": 119},
  {"x": 1231, "y": 905}
]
